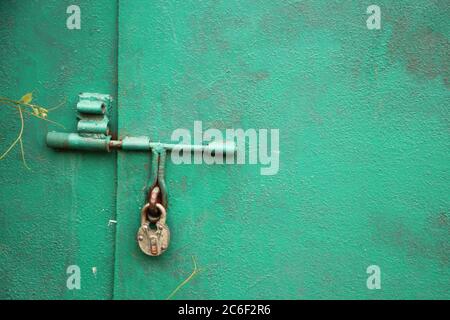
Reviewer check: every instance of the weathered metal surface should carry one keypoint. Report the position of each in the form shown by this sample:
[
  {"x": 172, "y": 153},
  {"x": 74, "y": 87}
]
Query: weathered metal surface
[
  {"x": 136, "y": 143},
  {"x": 364, "y": 164},
  {"x": 93, "y": 126},
  {"x": 91, "y": 107},
  {"x": 364, "y": 171},
  {"x": 56, "y": 214},
  {"x": 77, "y": 142},
  {"x": 93, "y": 115},
  {"x": 74, "y": 141}
]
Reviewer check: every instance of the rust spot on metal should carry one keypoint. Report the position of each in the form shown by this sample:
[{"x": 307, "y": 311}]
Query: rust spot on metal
[
  {"x": 115, "y": 144},
  {"x": 154, "y": 196}
]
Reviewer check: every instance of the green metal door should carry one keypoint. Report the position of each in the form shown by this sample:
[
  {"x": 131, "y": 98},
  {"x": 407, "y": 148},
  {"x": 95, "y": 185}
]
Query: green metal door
[
  {"x": 55, "y": 214},
  {"x": 362, "y": 175},
  {"x": 363, "y": 168}
]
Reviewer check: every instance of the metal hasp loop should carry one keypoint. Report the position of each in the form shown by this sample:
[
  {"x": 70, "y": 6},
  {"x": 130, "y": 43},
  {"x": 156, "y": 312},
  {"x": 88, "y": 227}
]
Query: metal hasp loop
[
  {"x": 93, "y": 134},
  {"x": 157, "y": 192}
]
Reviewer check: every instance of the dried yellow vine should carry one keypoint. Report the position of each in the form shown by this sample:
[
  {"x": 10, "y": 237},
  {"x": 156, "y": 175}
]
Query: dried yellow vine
[
  {"x": 182, "y": 284},
  {"x": 24, "y": 105}
]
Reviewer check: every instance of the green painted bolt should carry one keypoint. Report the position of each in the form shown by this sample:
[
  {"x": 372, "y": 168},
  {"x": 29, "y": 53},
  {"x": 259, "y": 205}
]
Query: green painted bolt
[{"x": 60, "y": 140}]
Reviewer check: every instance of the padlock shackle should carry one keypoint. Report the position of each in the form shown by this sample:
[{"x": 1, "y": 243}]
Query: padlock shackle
[
  {"x": 160, "y": 207},
  {"x": 144, "y": 213},
  {"x": 163, "y": 216}
]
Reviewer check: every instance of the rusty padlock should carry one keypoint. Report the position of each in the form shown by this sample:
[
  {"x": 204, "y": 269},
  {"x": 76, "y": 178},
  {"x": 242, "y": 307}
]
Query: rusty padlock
[{"x": 153, "y": 239}]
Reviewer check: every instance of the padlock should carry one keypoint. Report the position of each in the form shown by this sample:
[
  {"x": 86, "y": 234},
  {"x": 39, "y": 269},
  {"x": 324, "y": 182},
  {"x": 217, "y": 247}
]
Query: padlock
[{"x": 153, "y": 239}]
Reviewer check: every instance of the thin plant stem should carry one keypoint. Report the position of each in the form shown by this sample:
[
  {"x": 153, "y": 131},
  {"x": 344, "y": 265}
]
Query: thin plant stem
[
  {"x": 32, "y": 114},
  {"x": 23, "y": 155},
  {"x": 181, "y": 285},
  {"x": 57, "y": 106},
  {"x": 37, "y": 111},
  {"x": 19, "y": 137}
]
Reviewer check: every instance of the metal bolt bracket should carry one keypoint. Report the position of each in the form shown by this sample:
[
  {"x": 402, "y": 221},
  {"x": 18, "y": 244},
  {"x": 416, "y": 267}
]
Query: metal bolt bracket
[
  {"x": 92, "y": 111},
  {"x": 94, "y": 135}
]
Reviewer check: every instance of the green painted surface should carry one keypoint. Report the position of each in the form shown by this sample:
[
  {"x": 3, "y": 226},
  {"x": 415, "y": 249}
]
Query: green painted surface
[
  {"x": 364, "y": 149},
  {"x": 56, "y": 214},
  {"x": 364, "y": 142}
]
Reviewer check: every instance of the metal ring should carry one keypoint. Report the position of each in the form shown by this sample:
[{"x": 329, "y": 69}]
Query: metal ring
[{"x": 163, "y": 212}]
